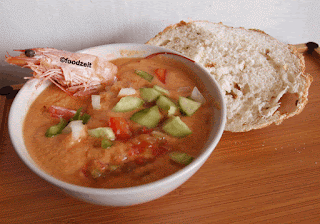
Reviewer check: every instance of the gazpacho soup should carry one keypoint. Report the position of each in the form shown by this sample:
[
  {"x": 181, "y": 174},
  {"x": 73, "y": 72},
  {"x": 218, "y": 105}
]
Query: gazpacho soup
[{"x": 151, "y": 122}]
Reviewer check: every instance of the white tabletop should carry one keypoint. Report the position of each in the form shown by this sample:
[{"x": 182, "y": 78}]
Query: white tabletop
[{"x": 77, "y": 24}]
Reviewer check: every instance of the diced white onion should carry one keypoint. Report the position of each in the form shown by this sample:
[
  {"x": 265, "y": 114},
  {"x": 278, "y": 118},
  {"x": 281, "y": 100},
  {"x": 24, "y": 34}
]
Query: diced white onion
[
  {"x": 127, "y": 91},
  {"x": 197, "y": 96},
  {"x": 77, "y": 129},
  {"x": 95, "y": 100}
]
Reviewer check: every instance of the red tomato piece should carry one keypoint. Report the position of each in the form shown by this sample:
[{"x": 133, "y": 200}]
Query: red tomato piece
[
  {"x": 136, "y": 149},
  {"x": 160, "y": 150},
  {"x": 94, "y": 169},
  {"x": 84, "y": 170},
  {"x": 145, "y": 130},
  {"x": 140, "y": 161},
  {"x": 120, "y": 127},
  {"x": 133, "y": 151},
  {"x": 61, "y": 112},
  {"x": 161, "y": 74},
  {"x": 140, "y": 147}
]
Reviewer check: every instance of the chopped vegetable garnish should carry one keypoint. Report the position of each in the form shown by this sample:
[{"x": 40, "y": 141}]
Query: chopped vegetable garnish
[
  {"x": 188, "y": 106},
  {"x": 85, "y": 118},
  {"x": 197, "y": 96},
  {"x": 176, "y": 127},
  {"x": 166, "y": 104},
  {"x": 102, "y": 132},
  {"x": 96, "y": 173},
  {"x": 94, "y": 168},
  {"x": 161, "y": 90},
  {"x": 113, "y": 167},
  {"x": 160, "y": 150},
  {"x": 149, "y": 117},
  {"x": 127, "y": 91},
  {"x": 181, "y": 157},
  {"x": 106, "y": 143},
  {"x": 139, "y": 147},
  {"x": 149, "y": 94},
  {"x": 95, "y": 100},
  {"x": 144, "y": 75},
  {"x": 78, "y": 116},
  {"x": 77, "y": 129},
  {"x": 161, "y": 74},
  {"x": 128, "y": 103},
  {"x": 56, "y": 129},
  {"x": 67, "y": 129},
  {"x": 145, "y": 130},
  {"x": 120, "y": 127}
]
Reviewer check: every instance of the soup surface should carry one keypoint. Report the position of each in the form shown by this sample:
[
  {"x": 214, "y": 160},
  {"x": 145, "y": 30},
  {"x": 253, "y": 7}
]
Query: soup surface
[{"x": 135, "y": 141}]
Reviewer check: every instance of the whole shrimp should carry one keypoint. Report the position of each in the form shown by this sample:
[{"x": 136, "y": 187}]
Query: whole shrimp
[{"x": 77, "y": 74}]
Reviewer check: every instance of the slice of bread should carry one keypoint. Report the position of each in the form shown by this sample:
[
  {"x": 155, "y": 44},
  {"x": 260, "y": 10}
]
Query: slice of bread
[{"x": 263, "y": 79}]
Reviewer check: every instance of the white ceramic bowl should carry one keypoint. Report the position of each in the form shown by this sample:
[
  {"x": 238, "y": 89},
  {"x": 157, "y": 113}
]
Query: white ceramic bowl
[{"x": 123, "y": 196}]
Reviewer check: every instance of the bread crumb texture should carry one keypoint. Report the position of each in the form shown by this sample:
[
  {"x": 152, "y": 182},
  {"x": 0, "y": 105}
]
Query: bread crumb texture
[{"x": 263, "y": 79}]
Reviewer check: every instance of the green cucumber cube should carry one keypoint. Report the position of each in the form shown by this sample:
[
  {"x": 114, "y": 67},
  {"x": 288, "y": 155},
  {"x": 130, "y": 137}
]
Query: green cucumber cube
[
  {"x": 181, "y": 157},
  {"x": 106, "y": 132},
  {"x": 128, "y": 103},
  {"x": 149, "y": 94},
  {"x": 161, "y": 90},
  {"x": 144, "y": 75},
  {"x": 188, "y": 106},
  {"x": 166, "y": 104},
  {"x": 106, "y": 143},
  {"x": 149, "y": 117},
  {"x": 176, "y": 127}
]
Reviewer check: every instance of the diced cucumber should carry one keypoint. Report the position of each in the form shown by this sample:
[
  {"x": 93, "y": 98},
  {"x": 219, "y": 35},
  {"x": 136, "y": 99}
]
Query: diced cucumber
[
  {"x": 106, "y": 143},
  {"x": 128, "y": 103},
  {"x": 188, "y": 106},
  {"x": 176, "y": 127},
  {"x": 149, "y": 94},
  {"x": 113, "y": 167},
  {"x": 161, "y": 90},
  {"x": 96, "y": 173},
  {"x": 149, "y": 117},
  {"x": 172, "y": 110},
  {"x": 144, "y": 75},
  {"x": 106, "y": 132},
  {"x": 181, "y": 157},
  {"x": 166, "y": 104}
]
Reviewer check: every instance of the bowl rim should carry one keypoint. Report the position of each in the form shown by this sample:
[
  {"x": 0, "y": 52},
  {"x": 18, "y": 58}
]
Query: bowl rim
[{"x": 198, "y": 161}]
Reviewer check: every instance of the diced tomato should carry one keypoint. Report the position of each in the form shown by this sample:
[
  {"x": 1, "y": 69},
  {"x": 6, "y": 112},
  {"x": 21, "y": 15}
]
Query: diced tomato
[
  {"x": 84, "y": 170},
  {"x": 93, "y": 169},
  {"x": 145, "y": 130},
  {"x": 138, "y": 148},
  {"x": 61, "y": 112},
  {"x": 120, "y": 127},
  {"x": 160, "y": 150},
  {"x": 161, "y": 74},
  {"x": 133, "y": 151},
  {"x": 140, "y": 161}
]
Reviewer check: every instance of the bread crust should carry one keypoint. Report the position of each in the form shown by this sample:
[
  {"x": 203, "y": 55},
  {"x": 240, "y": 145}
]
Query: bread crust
[{"x": 276, "y": 119}]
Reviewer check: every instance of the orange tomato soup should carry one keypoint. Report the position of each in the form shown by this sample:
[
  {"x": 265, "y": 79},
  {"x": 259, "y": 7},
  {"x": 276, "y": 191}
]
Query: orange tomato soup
[{"x": 138, "y": 154}]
